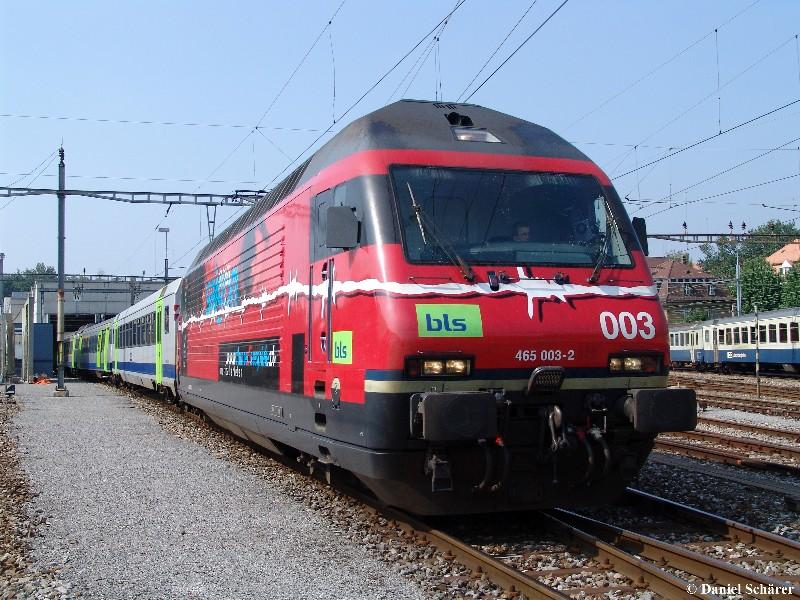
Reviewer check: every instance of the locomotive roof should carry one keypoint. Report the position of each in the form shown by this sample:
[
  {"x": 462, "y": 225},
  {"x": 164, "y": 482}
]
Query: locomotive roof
[
  {"x": 411, "y": 124},
  {"x": 416, "y": 124}
]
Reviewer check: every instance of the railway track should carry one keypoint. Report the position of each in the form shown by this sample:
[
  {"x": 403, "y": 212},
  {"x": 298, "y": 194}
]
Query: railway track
[
  {"x": 783, "y": 434},
  {"x": 744, "y": 443},
  {"x": 722, "y": 456},
  {"x": 529, "y": 559},
  {"x": 766, "y": 407},
  {"x": 790, "y": 393},
  {"x": 743, "y": 478}
]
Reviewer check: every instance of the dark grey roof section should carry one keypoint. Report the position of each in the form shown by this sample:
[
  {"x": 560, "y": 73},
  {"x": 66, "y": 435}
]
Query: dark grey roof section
[
  {"x": 410, "y": 124},
  {"x": 416, "y": 124}
]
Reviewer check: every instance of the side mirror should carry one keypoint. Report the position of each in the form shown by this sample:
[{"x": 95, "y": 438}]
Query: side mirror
[
  {"x": 342, "y": 228},
  {"x": 640, "y": 227}
]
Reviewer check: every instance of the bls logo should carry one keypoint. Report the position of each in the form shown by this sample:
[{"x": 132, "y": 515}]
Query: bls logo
[
  {"x": 449, "y": 320},
  {"x": 343, "y": 347},
  {"x": 434, "y": 324}
]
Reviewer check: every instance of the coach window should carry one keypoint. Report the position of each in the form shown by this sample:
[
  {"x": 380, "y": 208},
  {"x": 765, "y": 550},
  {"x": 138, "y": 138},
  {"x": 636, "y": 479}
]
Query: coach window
[
  {"x": 744, "y": 335},
  {"x": 706, "y": 336},
  {"x": 783, "y": 333},
  {"x": 773, "y": 333},
  {"x": 794, "y": 332},
  {"x": 728, "y": 338},
  {"x": 166, "y": 319},
  {"x": 736, "y": 338}
]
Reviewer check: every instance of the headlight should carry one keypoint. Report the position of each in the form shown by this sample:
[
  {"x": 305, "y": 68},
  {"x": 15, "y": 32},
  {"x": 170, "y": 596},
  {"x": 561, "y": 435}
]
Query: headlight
[
  {"x": 432, "y": 367},
  {"x": 630, "y": 363},
  {"x": 457, "y": 366},
  {"x": 438, "y": 367},
  {"x": 635, "y": 364}
]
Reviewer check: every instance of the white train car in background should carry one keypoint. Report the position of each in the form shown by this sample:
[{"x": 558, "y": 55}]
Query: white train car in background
[
  {"x": 138, "y": 346},
  {"x": 729, "y": 344}
]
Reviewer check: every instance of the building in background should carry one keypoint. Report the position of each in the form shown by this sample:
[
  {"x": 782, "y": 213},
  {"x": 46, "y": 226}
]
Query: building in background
[
  {"x": 784, "y": 259},
  {"x": 87, "y": 299},
  {"x": 688, "y": 293}
]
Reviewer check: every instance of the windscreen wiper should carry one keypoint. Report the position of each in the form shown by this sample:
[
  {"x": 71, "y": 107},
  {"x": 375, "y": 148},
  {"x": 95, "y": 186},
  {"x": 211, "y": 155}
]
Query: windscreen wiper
[
  {"x": 417, "y": 213},
  {"x": 601, "y": 258},
  {"x": 426, "y": 226}
]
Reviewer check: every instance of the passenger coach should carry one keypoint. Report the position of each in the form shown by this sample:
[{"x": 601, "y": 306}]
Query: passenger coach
[
  {"x": 137, "y": 346},
  {"x": 730, "y": 344}
]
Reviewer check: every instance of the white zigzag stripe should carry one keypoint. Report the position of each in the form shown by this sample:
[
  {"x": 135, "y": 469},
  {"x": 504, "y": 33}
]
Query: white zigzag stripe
[{"x": 532, "y": 288}]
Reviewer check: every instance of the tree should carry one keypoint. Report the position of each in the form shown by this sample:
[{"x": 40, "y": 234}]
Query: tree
[
  {"x": 720, "y": 259},
  {"x": 22, "y": 281},
  {"x": 760, "y": 285},
  {"x": 790, "y": 290}
]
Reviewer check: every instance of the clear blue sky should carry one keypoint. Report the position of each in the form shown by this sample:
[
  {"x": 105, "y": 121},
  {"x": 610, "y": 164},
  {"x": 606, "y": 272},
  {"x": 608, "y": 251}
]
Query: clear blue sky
[{"x": 224, "y": 63}]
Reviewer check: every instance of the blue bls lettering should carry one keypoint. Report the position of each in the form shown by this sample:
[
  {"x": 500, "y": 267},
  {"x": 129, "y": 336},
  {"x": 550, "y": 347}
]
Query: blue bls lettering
[{"x": 434, "y": 324}]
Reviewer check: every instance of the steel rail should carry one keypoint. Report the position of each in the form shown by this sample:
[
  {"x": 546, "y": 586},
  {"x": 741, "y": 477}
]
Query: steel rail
[
  {"x": 750, "y": 428},
  {"x": 780, "y": 546},
  {"x": 790, "y": 493},
  {"x": 742, "y": 387},
  {"x": 641, "y": 571},
  {"x": 677, "y": 557},
  {"x": 717, "y": 455},
  {"x": 508, "y": 578},
  {"x": 744, "y": 443},
  {"x": 766, "y": 407}
]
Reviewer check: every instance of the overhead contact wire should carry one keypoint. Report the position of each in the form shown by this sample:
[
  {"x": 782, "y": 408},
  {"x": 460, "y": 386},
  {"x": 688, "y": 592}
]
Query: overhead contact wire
[
  {"x": 518, "y": 48},
  {"x": 659, "y": 67},
  {"x": 703, "y": 99},
  {"x": 711, "y": 137},
  {"x": 367, "y": 92},
  {"x": 496, "y": 50}
]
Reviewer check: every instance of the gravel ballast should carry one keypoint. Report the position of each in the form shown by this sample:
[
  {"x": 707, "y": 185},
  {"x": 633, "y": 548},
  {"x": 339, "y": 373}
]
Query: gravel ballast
[{"x": 133, "y": 511}]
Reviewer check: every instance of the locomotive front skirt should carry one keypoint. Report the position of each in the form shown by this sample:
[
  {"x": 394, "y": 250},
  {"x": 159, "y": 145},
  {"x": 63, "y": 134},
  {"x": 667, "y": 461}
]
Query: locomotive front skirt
[{"x": 447, "y": 302}]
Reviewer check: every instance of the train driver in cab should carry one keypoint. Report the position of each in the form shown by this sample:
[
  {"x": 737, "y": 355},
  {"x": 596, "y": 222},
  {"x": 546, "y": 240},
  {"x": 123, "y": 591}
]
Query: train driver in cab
[{"x": 522, "y": 232}]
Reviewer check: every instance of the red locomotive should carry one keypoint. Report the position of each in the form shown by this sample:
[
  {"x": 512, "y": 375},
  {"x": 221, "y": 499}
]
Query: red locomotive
[{"x": 449, "y": 303}]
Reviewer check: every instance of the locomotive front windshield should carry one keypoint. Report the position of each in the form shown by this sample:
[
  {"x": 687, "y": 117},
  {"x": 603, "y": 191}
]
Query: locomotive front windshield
[{"x": 503, "y": 217}]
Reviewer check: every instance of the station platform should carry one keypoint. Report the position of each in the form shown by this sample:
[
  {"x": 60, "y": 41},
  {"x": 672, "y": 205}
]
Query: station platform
[{"x": 134, "y": 511}]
